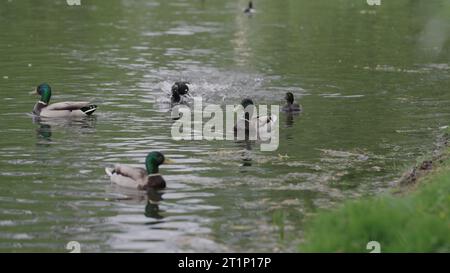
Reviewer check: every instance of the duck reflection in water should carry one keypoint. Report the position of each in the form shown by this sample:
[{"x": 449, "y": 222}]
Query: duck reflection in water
[
  {"x": 291, "y": 109},
  {"x": 44, "y": 132},
  {"x": 152, "y": 210},
  {"x": 151, "y": 197},
  {"x": 289, "y": 120},
  {"x": 246, "y": 152},
  {"x": 71, "y": 123},
  {"x": 45, "y": 125}
]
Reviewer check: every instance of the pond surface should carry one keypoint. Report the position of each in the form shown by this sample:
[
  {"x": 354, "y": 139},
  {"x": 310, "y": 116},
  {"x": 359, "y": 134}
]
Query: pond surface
[{"x": 373, "y": 82}]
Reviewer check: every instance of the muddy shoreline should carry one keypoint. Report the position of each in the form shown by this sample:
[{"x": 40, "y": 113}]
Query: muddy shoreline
[{"x": 412, "y": 178}]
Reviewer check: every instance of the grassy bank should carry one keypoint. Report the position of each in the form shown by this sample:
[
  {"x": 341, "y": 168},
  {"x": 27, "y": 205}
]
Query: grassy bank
[{"x": 418, "y": 221}]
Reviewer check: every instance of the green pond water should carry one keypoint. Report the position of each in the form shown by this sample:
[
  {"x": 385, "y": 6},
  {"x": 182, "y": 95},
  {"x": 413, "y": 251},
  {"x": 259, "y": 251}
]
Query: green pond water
[{"x": 373, "y": 82}]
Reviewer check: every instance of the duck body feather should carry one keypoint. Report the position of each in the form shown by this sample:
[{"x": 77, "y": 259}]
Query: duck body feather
[
  {"x": 291, "y": 108},
  {"x": 136, "y": 178},
  {"x": 261, "y": 124},
  {"x": 64, "y": 109}
]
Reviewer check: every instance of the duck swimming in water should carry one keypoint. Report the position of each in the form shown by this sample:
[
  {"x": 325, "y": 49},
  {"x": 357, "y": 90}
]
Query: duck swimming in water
[
  {"x": 253, "y": 123},
  {"x": 249, "y": 9},
  {"x": 60, "y": 109},
  {"x": 290, "y": 106},
  {"x": 179, "y": 90},
  {"x": 140, "y": 178}
]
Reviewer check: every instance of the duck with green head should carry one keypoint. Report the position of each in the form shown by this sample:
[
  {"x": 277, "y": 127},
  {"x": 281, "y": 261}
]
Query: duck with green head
[
  {"x": 43, "y": 108},
  {"x": 140, "y": 178}
]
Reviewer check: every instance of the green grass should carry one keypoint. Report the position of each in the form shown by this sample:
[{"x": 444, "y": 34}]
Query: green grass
[{"x": 417, "y": 222}]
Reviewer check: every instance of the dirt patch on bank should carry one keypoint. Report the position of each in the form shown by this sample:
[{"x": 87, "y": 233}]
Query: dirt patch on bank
[{"x": 410, "y": 179}]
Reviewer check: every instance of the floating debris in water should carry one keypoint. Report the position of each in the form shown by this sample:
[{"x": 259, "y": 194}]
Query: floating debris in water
[
  {"x": 438, "y": 66},
  {"x": 376, "y": 168},
  {"x": 422, "y": 69},
  {"x": 367, "y": 11},
  {"x": 334, "y": 153},
  {"x": 339, "y": 95},
  {"x": 408, "y": 131},
  {"x": 419, "y": 130}
]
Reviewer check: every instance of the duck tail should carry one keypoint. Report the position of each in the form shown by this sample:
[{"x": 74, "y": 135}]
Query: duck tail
[
  {"x": 109, "y": 171},
  {"x": 88, "y": 110}
]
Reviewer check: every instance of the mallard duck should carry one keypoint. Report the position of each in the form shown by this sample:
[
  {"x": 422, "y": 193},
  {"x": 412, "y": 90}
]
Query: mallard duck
[
  {"x": 249, "y": 9},
  {"x": 290, "y": 106},
  {"x": 60, "y": 109},
  {"x": 254, "y": 123},
  {"x": 140, "y": 178},
  {"x": 179, "y": 90}
]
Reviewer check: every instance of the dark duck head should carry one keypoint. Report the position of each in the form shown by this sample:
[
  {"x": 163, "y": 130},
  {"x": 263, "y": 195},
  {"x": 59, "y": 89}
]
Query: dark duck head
[
  {"x": 290, "y": 105},
  {"x": 289, "y": 98},
  {"x": 179, "y": 89},
  {"x": 247, "y": 102},
  {"x": 248, "y": 107}
]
